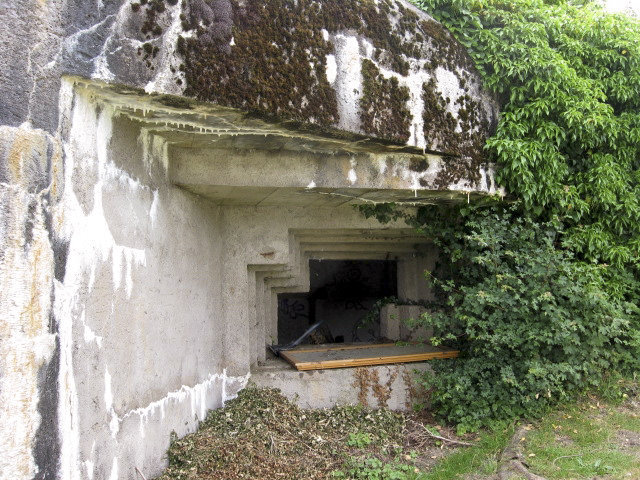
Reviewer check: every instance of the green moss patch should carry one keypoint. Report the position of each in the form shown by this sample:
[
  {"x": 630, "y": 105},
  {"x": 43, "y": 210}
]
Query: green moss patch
[
  {"x": 383, "y": 105},
  {"x": 461, "y": 137},
  {"x": 271, "y": 58}
]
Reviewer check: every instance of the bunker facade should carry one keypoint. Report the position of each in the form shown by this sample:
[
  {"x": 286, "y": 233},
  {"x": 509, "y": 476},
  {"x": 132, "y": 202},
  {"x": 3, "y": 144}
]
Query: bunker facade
[{"x": 172, "y": 171}]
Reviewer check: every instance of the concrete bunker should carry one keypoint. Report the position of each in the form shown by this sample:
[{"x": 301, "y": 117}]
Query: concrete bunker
[
  {"x": 128, "y": 200},
  {"x": 155, "y": 210}
]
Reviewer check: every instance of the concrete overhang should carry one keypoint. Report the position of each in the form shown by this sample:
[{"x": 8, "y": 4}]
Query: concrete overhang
[{"x": 237, "y": 158}]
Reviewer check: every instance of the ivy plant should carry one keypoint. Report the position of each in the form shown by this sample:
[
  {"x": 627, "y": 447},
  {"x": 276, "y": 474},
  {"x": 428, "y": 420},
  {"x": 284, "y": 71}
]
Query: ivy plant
[
  {"x": 534, "y": 325},
  {"x": 567, "y": 75}
]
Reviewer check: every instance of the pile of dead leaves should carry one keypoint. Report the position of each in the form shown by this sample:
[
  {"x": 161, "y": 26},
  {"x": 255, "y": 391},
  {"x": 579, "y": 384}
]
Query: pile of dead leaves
[{"x": 261, "y": 434}]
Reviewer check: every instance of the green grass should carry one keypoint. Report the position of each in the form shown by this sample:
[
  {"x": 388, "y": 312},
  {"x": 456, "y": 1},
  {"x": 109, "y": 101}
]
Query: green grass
[
  {"x": 575, "y": 441},
  {"x": 482, "y": 458},
  {"x": 580, "y": 441}
]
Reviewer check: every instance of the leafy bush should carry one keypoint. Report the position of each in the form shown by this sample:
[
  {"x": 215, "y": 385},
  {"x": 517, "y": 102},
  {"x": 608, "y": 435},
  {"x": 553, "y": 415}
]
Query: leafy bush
[
  {"x": 533, "y": 324},
  {"x": 567, "y": 75}
]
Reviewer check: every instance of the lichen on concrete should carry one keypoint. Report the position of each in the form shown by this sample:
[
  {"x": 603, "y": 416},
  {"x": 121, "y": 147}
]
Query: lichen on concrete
[
  {"x": 269, "y": 58},
  {"x": 460, "y": 136},
  {"x": 272, "y": 58}
]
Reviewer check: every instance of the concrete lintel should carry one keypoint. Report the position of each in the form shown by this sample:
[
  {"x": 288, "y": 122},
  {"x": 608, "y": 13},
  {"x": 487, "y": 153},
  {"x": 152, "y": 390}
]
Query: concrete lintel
[
  {"x": 318, "y": 177},
  {"x": 212, "y": 149}
]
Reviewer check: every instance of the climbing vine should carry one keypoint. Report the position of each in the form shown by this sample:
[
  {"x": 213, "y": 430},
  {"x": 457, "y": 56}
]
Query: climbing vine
[
  {"x": 534, "y": 326},
  {"x": 568, "y": 141}
]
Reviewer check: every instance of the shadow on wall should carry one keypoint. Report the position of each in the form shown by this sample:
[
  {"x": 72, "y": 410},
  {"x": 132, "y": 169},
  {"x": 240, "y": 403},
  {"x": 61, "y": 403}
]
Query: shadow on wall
[{"x": 341, "y": 293}]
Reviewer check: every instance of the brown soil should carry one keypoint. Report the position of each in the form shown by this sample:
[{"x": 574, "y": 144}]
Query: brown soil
[{"x": 628, "y": 440}]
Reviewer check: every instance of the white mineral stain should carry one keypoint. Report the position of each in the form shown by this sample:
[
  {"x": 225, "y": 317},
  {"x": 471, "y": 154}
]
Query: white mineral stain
[
  {"x": 155, "y": 149},
  {"x": 108, "y": 395},
  {"x": 201, "y": 398},
  {"x": 449, "y": 87},
  {"x": 26, "y": 279},
  {"x": 89, "y": 335},
  {"x": 413, "y": 81},
  {"x": 165, "y": 79},
  {"x": 382, "y": 165},
  {"x": 88, "y": 465},
  {"x": 153, "y": 210},
  {"x": 116, "y": 32},
  {"x": 331, "y": 68},
  {"x": 68, "y": 404},
  {"x": 348, "y": 81},
  {"x": 351, "y": 176},
  {"x": 114, "y": 470},
  {"x": 90, "y": 244}
]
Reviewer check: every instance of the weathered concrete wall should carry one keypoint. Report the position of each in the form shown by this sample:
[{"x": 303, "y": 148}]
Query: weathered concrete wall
[
  {"x": 110, "y": 288},
  {"x": 383, "y": 69},
  {"x": 263, "y": 257},
  {"x": 382, "y": 386},
  {"x": 139, "y": 345},
  {"x": 30, "y": 162},
  {"x": 158, "y": 301}
]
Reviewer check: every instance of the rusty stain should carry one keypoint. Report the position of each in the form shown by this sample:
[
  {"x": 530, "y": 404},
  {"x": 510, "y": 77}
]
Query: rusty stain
[
  {"x": 30, "y": 268},
  {"x": 411, "y": 390},
  {"x": 369, "y": 378},
  {"x": 34, "y": 307},
  {"x": 268, "y": 254},
  {"x": 27, "y": 146},
  {"x": 57, "y": 180},
  {"x": 18, "y": 146},
  {"x": 361, "y": 381}
]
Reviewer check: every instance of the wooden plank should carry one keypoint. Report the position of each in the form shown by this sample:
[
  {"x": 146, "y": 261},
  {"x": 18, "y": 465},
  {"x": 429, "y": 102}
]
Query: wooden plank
[
  {"x": 363, "y": 362},
  {"x": 363, "y": 355}
]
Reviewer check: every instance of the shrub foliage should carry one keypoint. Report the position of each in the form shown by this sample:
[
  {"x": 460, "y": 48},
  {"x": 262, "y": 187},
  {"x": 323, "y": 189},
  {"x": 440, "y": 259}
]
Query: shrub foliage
[
  {"x": 533, "y": 324},
  {"x": 568, "y": 141}
]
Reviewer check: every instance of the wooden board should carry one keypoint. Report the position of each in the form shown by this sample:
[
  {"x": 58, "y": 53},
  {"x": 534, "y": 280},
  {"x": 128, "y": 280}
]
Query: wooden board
[{"x": 321, "y": 357}]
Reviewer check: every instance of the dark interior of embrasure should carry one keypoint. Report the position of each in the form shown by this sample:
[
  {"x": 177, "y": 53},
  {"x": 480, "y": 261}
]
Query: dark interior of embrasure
[{"x": 342, "y": 294}]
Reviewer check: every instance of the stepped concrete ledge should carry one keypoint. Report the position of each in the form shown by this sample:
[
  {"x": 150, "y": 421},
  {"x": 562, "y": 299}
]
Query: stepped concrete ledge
[{"x": 383, "y": 386}]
